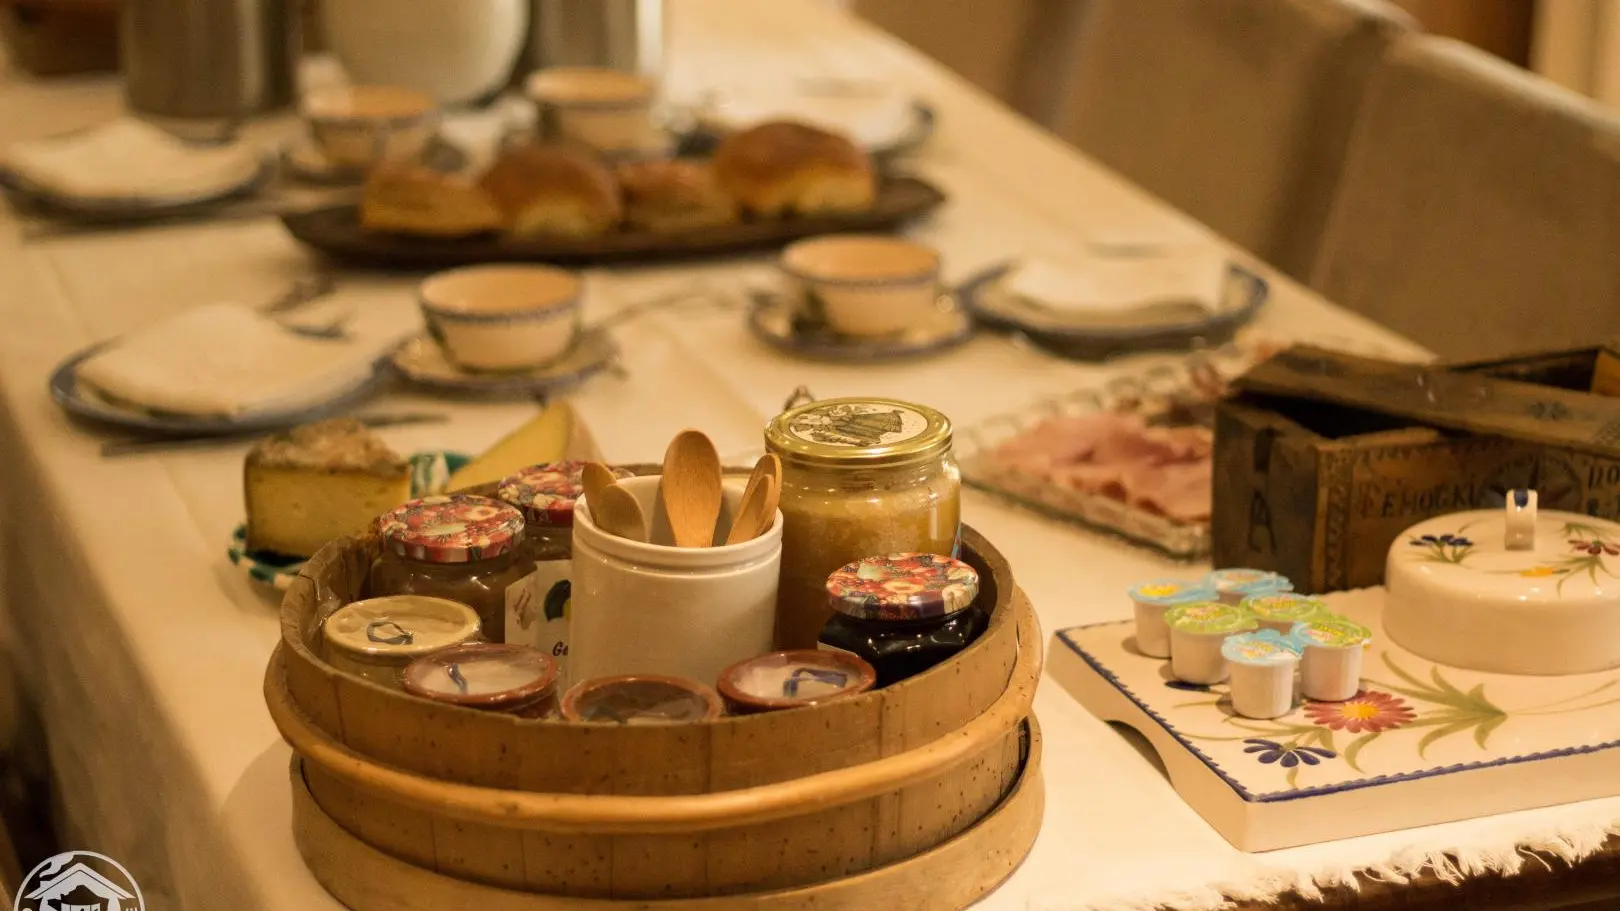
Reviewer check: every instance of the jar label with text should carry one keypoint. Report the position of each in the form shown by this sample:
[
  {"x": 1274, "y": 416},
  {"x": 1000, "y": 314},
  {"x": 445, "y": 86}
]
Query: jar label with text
[
  {"x": 858, "y": 424},
  {"x": 537, "y": 612}
]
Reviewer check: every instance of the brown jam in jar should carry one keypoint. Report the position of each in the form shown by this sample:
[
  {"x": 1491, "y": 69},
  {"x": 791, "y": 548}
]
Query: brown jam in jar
[
  {"x": 903, "y": 613},
  {"x": 459, "y": 547},
  {"x": 859, "y": 477}
]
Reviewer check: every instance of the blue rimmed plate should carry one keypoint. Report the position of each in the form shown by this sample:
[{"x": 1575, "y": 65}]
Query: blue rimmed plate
[
  {"x": 430, "y": 474},
  {"x": 421, "y": 362},
  {"x": 995, "y": 307},
  {"x": 784, "y": 323},
  {"x": 37, "y": 200}
]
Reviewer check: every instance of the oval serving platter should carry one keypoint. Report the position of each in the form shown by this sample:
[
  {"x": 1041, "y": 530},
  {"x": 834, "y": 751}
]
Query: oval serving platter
[
  {"x": 336, "y": 231},
  {"x": 430, "y": 474},
  {"x": 1243, "y": 294}
]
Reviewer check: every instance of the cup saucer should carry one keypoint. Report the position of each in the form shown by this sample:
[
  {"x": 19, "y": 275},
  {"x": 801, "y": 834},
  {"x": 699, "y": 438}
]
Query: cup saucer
[
  {"x": 303, "y": 159},
  {"x": 783, "y": 322},
  {"x": 422, "y": 362}
]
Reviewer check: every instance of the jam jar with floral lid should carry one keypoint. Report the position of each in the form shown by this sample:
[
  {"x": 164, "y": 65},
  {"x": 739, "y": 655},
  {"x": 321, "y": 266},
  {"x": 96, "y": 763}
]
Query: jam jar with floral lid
[
  {"x": 903, "y": 613},
  {"x": 859, "y": 477},
  {"x": 459, "y": 547},
  {"x": 546, "y": 494}
]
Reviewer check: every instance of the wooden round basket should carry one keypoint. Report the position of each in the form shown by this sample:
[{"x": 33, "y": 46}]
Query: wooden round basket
[{"x": 764, "y": 805}]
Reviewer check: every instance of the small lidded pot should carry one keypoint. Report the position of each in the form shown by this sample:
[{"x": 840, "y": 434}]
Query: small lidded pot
[
  {"x": 459, "y": 547},
  {"x": 609, "y": 110},
  {"x": 378, "y": 637},
  {"x": 496, "y": 318},
  {"x": 860, "y": 476},
  {"x": 1152, "y": 599},
  {"x": 545, "y": 494},
  {"x": 1262, "y": 665},
  {"x": 641, "y": 699},
  {"x": 1197, "y": 633},
  {"x": 510, "y": 679},
  {"x": 865, "y": 285},
  {"x": 903, "y": 613},
  {"x": 1233, "y": 585},
  {"x": 790, "y": 680},
  {"x": 1281, "y": 611},
  {"x": 1334, "y": 647}
]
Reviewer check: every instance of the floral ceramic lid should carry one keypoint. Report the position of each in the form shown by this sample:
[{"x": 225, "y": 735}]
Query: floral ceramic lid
[
  {"x": 399, "y": 627},
  {"x": 1172, "y": 591},
  {"x": 1285, "y": 606},
  {"x": 1331, "y": 631},
  {"x": 451, "y": 529},
  {"x": 1210, "y": 617},
  {"x": 900, "y": 587},
  {"x": 1261, "y": 647},
  {"x": 482, "y": 675},
  {"x": 1517, "y": 553},
  {"x": 1249, "y": 581},
  {"x": 546, "y": 493}
]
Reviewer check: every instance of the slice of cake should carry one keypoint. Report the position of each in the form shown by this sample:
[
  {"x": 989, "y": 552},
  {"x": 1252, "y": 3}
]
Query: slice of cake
[{"x": 319, "y": 482}]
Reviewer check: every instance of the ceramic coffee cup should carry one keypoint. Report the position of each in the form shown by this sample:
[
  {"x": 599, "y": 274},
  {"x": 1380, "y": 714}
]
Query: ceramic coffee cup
[
  {"x": 865, "y": 285},
  {"x": 503, "y": 318},
  {"x": 609, "y": 110},
  {"x": 654, "y": 608},
  {"x": 357, "y": 126}
]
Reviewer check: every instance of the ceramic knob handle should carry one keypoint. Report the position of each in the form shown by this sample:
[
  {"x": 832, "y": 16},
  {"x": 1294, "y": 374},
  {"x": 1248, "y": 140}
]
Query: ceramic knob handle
[{"x": 1521, "y": 520}]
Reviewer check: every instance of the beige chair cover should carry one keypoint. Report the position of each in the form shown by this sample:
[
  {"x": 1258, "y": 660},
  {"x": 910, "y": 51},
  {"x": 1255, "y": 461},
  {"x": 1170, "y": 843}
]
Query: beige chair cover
[
  {"x": 1479, "y": 211},
  {"x": 1235, "y": 111},
  {"x": 984, "y": 41}
]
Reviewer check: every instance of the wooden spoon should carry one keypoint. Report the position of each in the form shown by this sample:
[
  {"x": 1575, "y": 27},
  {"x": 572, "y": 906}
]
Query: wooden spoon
[
  {"x": 596, "y": 477},
  {"x": 617, "y": 513},
  {"x": 690, "y": 489},
  {"x": 752, "y": 508}
]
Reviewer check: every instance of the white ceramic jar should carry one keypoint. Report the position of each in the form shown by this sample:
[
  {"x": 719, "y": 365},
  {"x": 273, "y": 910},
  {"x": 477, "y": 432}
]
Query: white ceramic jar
[
  {"x": 653, "y": 608},
  {"x": 456, "y": 50}
]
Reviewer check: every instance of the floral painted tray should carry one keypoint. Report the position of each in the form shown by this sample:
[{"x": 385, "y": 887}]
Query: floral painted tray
[{"x": 1421, "y": 743}]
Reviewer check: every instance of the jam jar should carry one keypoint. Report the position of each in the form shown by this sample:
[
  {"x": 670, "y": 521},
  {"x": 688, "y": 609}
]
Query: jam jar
[
  {"x": 903, "y": 613},
  {"x": 545, "y": 494},
  {"x": 859, "y": 477},
  {"x": 511, "y": 679},
  {"x": 459, "y": 547}
]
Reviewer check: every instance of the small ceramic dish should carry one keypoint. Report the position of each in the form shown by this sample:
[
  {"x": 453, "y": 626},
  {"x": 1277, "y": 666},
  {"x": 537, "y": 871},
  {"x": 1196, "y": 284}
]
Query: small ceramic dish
[
  {"x": 378, "y": 637},
  {"x": 1242, "y": 295},
  {"x": 641, "y": 699},
  {"x": 503, "y": 317},
  {"x": 865, "y": 285},
  {"x": 790, "y": 680},
  {"x": 422, "y": 362},
  {"x": 357, "y": 126},
  {"x": 35, "y": 200},
  {"x": 430, "y": 473},
  {"x": 609, "y": 110},
  {"x": 509, "y": 679},
  {"x": 302, "y": 159},
  {"x": 786, "y": 324}
]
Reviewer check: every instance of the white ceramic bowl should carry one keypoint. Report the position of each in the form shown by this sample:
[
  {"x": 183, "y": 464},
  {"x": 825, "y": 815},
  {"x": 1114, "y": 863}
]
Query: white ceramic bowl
[
  {"x": 606, "y": 109},
  {"x": 653, "y": 608},
  {"x": 358, "y": 126},
  {"x": 866, "y": 285},
  {"x": 503, "y": 318}
]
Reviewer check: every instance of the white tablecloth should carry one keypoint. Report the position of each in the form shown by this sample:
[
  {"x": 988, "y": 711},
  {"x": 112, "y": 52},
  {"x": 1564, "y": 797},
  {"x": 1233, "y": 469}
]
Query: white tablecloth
[{"x": 144, "y": 649}]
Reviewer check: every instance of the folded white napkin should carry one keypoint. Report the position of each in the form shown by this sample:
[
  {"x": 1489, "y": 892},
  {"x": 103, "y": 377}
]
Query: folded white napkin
[
  {"x": 226, "y": 359},
  {"x": 129, "y": 159},
  {"x": 1118, "y": 287},
  {"x": 871, "y": 115}
]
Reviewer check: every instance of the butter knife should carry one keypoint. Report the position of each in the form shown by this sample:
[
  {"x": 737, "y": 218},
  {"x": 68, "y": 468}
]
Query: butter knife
[{"x": 170, "y": 444}]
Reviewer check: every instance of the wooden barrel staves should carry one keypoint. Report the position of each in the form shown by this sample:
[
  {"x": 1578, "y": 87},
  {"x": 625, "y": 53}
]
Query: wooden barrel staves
[{"x": 775, "y": 806}]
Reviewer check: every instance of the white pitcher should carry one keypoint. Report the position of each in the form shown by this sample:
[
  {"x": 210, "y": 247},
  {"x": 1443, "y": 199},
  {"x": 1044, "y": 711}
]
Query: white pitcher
[{"x": 458, "y": 50}]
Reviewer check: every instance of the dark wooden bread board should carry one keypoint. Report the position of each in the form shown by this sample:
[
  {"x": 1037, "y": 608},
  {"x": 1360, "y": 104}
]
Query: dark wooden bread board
[{"x": 336, "y": 232}]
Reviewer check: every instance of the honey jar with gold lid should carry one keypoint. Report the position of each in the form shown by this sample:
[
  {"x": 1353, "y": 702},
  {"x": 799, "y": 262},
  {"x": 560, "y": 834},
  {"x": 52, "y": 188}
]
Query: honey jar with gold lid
[{"x": 860, "y": 476}]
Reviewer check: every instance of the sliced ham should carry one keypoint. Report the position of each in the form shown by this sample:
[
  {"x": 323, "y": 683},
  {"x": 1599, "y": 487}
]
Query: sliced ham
[{"x": 1181, "y": 491}]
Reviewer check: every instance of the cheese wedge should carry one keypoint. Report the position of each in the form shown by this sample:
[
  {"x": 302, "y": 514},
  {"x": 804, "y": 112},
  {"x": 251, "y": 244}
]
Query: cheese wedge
[
  {"x": 317, "y": 483},
  {"x": 552, "y": 436}
]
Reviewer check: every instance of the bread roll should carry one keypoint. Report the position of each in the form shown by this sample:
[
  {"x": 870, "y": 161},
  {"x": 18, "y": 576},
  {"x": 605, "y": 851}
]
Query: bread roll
[
  {"x": 672, "y": 196},
  {"x": 411, "y": 199},
  {"x": 553, "y": 191},
  {"x": 780, "y": 168}
]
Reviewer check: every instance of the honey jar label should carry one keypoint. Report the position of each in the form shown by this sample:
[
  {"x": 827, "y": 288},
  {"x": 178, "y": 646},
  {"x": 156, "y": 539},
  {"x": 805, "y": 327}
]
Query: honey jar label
[{"x": 858, "y": 425}]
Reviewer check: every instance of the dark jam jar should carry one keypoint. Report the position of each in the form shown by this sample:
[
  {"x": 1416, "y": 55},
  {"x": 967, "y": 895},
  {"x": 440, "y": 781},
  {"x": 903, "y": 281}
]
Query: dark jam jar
[
  {"x": 903, "y": 613},
  {"x": 459, "y": 547}
]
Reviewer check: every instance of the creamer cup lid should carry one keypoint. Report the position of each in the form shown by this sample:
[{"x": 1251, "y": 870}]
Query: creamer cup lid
[
  {"x": 1284, "y": 606},
  {"x": 1172, "y": 591},
  {"x": 1261, "y": 647},
  {"x": 1210, "y": 617},
  {"x": 1332, "y": 631},
  {"x": 1249, "y": 581}
]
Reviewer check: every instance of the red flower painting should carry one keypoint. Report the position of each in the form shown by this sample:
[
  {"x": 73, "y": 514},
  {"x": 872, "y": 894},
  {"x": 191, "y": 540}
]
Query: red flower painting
[{"x": 1368, "y": 711}]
